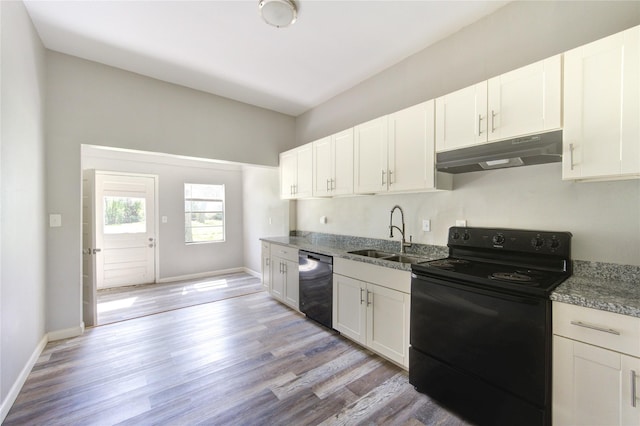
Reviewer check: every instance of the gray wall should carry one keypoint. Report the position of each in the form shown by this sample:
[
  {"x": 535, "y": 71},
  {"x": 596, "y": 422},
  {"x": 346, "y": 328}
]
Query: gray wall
[
  {"x": 600, "y": 215},
  {"x": 176, "y": 259},
  {"x": 89, "y": 103},
  {"x": 22, "y": 220}
]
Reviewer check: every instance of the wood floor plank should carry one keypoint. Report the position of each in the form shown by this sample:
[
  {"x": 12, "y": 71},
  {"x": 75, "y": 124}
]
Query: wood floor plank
[{"x": 240, "y": 361}]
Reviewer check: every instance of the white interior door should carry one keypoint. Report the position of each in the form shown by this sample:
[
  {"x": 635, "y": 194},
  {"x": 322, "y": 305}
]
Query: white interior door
[
  {"x": 125, "y": 229},
  {"x": 89, "y": 314}
]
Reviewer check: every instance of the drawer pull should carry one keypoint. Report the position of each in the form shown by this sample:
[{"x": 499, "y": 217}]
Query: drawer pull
[{"x": 595, "y": 327}]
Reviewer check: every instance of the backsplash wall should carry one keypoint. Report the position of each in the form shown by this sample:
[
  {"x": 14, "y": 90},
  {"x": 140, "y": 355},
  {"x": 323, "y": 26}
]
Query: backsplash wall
[{"x": 604, "y": 217}]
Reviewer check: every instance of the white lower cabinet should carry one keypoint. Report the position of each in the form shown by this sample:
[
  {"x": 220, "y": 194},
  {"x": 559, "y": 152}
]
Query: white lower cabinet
[
  {"x": 376, "y": 315},
  {"x": 284, "y": 275},
  {"x": 266, "y": 265},
  {"x": 593, "y": 382}
]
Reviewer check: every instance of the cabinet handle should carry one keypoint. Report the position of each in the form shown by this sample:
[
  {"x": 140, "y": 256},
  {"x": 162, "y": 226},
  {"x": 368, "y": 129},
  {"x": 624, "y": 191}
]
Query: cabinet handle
[
  {"x": 333, "y": 184},
  {"x": 596, "y": 327},
  {"x": 266, "y": 261},
  {"x": 361, "y": 298},
  {"x": 328, "y": 188},
  {"x": 633, "y": 388},
  {"x": 368, "y": 300},
  {"x": 390, "y": 174},
  {"x": 493, "y": 116},
  {"x": 571, "y": 155},
  {"x": 479, "y": 124},
  {"x": 383, "y": 173}
]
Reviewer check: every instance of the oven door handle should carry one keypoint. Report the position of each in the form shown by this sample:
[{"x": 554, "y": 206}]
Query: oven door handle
[{"x": 493, "y": 293}]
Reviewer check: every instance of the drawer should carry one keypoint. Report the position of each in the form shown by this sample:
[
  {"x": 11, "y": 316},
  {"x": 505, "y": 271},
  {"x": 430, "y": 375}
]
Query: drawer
[
  {"x": 284, "y": 252},
  {"x": 617, "y": 332},
  {"x": 266, "y": 248},
  {"x": 394, "y": 279}
]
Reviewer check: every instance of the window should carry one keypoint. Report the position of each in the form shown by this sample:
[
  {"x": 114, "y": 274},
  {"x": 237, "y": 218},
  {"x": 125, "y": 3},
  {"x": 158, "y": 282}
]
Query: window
[
  {"x": 203, "y": 213},
  {"x": 124, "y": 215}
]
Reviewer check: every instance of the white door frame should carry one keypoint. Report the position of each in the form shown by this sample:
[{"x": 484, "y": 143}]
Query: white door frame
[{"x": 156, "y": 249}]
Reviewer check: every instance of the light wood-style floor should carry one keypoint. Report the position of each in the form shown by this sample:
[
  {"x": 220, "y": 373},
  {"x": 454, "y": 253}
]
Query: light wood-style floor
[
  {"x": 123, "y": 303},
  {"x": 247, "y": 360}
]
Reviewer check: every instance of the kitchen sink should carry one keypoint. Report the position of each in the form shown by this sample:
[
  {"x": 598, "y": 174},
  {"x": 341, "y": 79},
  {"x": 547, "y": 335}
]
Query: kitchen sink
[
  {"x": 371, "y": 253},
  {"x": 404, "y": 259},
  {"x": 387, "y": 256}
]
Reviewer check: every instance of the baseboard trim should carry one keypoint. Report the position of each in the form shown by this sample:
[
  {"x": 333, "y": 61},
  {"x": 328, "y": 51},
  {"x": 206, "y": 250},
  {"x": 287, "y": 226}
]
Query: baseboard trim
[
  {"x": 253, "y": 273},
  {"x": 66, "y": 333},
  {"x": 200, "y": 275},
  {"x": 7, "y": 403}
]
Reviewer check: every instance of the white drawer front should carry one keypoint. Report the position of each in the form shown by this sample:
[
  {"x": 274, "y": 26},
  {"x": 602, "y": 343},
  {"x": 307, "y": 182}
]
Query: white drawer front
[
  {"x": 284, "y": 252},
  {"x": 617, "y": 332}
]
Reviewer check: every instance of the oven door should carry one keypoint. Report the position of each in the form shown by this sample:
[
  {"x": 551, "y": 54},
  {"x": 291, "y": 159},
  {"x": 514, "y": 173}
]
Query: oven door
[{"x": 491, "y": 337}]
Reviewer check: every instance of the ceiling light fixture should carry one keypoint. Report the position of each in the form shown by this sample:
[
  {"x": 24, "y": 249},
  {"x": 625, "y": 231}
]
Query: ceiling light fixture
[{"x": 279, "y": 13}]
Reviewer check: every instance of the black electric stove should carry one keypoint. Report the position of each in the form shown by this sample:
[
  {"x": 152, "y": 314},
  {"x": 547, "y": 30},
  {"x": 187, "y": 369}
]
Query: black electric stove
[{"x": 481, "y": 323}]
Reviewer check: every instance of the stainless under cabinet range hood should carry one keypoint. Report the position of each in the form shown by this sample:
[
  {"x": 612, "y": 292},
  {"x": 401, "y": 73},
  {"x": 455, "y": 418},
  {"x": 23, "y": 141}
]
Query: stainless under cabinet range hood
[{"x": 525, "y": 151}]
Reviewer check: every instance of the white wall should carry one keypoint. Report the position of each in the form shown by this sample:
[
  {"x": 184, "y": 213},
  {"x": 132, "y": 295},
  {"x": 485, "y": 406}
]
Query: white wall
[
  {"x": 22, "y": 223},
  {"x": 600, "y": 215},
  {"x": 89, "y": 103},
  {"x": 265, "y": 214},
  {"x": 177, "y": 259}
]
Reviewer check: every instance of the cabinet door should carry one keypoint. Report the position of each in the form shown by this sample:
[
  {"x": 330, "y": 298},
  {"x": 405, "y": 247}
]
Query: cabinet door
[
  {"x": 588, "y": 384},
  {"x": 630, "y": 401},
  {"x": 602, "y": 108},
  {"x": 461, "y": 118},
  {"x": 349, "y": 309},
  {"x": 323, "y": 161},
  {"x": 266, "y": 265},
  {"x": 370, "y": 156},
  {"x": 411, "y": 148},
  {"x": 343, "y": 166},
  {"x": 526, "y": 100},
  {"x": 288, "y": 173},
  {"x": 388, "y": 323},
  {"x": 304, "y": 171},
  {"x": 291, "y": 284},
  {"x": 277, "y": 277}
]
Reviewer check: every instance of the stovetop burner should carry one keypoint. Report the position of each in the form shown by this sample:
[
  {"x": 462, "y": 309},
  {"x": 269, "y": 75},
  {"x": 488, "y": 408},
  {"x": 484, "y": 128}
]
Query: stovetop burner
[{"x": 514, "y": 261}]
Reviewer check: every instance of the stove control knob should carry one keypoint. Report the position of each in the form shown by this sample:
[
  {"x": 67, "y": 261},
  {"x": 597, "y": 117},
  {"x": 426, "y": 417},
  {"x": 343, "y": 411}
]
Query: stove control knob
[
  {"x": 537, "y": 242},
  {"x": 466, "y": 236},
  {"x": 498, "y": 239},
  {"x": 553, "y": 243},
  {"x": 455, "y": 235}
]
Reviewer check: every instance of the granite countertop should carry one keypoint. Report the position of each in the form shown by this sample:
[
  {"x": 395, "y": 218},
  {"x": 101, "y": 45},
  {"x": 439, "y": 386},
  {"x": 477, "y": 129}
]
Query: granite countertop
[
  {"x": 604, "y": 286},
  {"x": 340, "y": 247}
]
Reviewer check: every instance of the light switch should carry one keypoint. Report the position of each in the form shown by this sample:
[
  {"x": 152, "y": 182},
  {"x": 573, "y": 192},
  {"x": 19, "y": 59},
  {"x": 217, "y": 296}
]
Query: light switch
[
  {"x": 55, "y": 220},
  {"x": 426, "y": 225}
]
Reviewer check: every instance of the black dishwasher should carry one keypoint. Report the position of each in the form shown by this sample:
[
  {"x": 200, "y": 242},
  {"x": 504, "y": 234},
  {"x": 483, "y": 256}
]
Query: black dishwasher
[{"x": 316, "y": 286}]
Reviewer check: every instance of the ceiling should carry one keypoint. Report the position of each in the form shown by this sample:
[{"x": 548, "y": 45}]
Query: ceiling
[{"x": 224, "y": 48}]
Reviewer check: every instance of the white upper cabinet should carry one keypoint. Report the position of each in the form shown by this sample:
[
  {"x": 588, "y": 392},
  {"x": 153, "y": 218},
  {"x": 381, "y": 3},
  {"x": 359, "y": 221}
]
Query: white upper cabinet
[
  {"x": 296, "y": 178},
  {"x": 525, "y": 101},
  {"x": 333, "y": 165},
  {"x": 370, "y": 156},
  {"x": 411, "y": 152},
  {"x": 396, "y": 153},
  {"x": 518, "y": 103},
  {"x": 461, "y": 118},
  {"x": 602, "y": 108}
]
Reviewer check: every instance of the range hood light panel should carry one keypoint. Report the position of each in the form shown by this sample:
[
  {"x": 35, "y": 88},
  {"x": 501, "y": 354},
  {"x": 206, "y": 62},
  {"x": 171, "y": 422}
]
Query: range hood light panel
[{"x": 499, "y": 164}]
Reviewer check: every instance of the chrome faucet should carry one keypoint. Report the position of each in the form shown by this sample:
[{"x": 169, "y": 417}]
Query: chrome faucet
[{"x": 403, "y": 244}]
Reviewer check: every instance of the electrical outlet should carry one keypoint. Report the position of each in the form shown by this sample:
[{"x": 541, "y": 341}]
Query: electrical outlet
[{"x": 426, "y": 225}]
